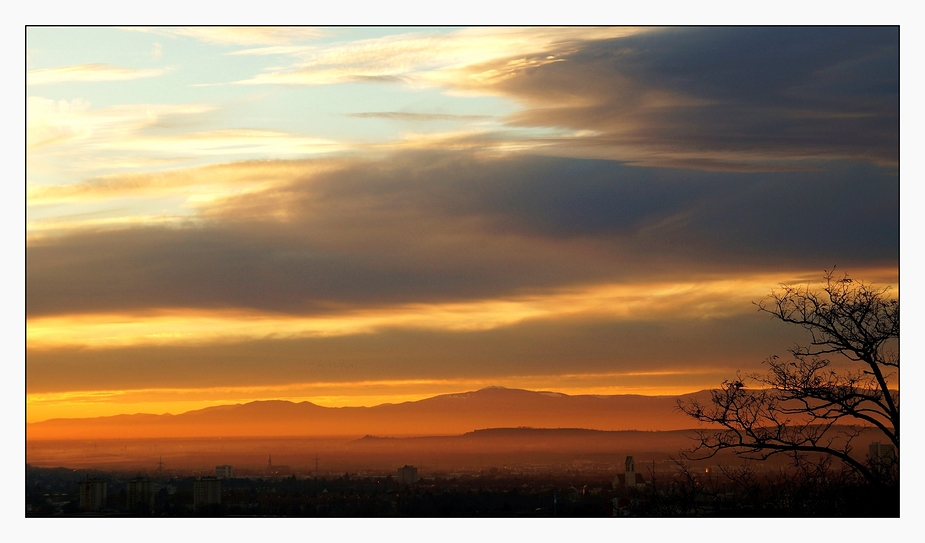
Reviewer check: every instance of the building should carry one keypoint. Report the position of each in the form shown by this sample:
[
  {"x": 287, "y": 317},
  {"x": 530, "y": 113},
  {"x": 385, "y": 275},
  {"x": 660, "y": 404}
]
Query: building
[
  {"x": 629, "y": 469},
  {"x": 139, "y": 490},
  {"x": 207, "y": 491},
  {"x": 407, "y": 475},
  {"x": 881, "y": 455},
  {"x": 92, "y": 494},
  {"x": 629, "y": 478},
  {"x": 224, "y": 471},
  {"x": 275, "y": 470},
  {"x": 879, "y": 452}
]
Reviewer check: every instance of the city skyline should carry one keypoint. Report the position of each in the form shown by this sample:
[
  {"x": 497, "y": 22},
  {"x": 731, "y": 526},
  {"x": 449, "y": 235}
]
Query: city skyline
[{"x": 357, "y": 216}]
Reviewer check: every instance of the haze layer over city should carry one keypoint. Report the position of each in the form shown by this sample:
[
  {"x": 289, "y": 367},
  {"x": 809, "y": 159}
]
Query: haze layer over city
[{"x": 547, "y": 252}]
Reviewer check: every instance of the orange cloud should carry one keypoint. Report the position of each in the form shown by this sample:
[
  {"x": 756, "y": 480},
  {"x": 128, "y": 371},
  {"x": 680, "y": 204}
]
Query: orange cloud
[{"x": 638, "y": 301}]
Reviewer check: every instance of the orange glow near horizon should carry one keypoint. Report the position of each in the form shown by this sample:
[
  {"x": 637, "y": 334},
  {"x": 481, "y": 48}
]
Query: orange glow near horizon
[{"x": 86, "y": 404}]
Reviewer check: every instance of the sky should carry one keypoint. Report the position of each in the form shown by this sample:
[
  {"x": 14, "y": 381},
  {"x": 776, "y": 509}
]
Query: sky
[{"x": 353, "y": 216}]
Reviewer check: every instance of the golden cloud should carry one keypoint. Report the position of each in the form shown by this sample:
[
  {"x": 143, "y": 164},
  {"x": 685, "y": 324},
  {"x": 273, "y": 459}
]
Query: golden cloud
[
  {"x": 692, "y": 300},
  {"x": 89, "y": 73},
  {"x": 420, "y": 58}
]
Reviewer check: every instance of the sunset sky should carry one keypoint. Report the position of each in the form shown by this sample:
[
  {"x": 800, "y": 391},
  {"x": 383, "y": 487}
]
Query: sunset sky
[{"x": 352, "y": 216}]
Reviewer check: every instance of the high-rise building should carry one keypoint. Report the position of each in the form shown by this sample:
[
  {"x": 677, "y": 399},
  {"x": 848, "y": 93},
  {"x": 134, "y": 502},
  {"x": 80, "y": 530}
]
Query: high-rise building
[
  {"x": 407, "y": 475},
  {"x": 92, "y": 495},
  {"x": 224, "y": 471},
  {"x": 207, "y": 491},
  {"x": 139, "y": 490}
]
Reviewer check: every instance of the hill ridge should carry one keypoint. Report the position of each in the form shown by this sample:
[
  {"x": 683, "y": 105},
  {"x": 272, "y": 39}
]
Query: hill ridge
[{"x": 444, "y": 414}]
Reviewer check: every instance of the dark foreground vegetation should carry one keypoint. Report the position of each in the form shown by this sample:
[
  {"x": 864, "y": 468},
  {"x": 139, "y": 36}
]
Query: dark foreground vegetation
[{"x": 681, "y": 491}]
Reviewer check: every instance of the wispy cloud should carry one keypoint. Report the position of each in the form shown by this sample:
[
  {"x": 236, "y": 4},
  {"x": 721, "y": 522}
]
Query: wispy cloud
[
  {"x": 44, "y": 230},
  {"x": 70, "y": 139},
  {"x": 240, "y": 35},
  {"x": 415, "y": 117},
  {"x": 266, "y": 143},
  {"x": 418, "y": 57},
  {"x": 91, "y": 73},
  {"x": 707, "y": 299},
  {"x": 178, "y": 182},
  {"x": 58, "y": 121}
]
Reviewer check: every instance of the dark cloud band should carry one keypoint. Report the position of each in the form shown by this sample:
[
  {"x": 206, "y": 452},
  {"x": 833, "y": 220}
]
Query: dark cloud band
[
  {"x": 437, "y": 227},
  {"x": 734, "y": 95}
]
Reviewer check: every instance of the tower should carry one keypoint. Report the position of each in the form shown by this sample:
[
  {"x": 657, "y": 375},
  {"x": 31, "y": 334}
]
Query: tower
[{"x": 629, "y": 468}]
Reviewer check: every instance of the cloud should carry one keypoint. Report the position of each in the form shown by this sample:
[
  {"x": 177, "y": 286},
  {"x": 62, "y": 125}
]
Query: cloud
[
  {"x": 240, "y": 35},
  {"x": 91, "y": 73},
  {"x": 211, "y": 179},
  {"x": 705, "y": 299},
  {"x": 552, "y": 347},
  {"x": 415, "y": 117},
  {"x": 265, "y": 143},
  {"x": 708, "y": 98},
  {"x": 445, "y": 228},
  {"x": 60, "y": 121},
  {"x": 415, "y": 57},
  {"x": 457, "y": 257},
  {"x": 730, "y": 96},
  {"x": 69, "y": 139}
]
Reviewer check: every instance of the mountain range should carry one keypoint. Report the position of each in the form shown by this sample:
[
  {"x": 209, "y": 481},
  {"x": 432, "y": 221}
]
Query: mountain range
[{"x": 448, "y": 414}]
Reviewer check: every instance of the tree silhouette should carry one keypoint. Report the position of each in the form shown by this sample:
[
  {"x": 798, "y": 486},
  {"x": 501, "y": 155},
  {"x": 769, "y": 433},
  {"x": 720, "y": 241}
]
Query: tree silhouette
[{"x": 807, "y": 404}]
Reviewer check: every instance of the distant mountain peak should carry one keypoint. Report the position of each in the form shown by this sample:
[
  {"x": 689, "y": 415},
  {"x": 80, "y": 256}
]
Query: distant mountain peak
[{"x": 489, "y": 407}]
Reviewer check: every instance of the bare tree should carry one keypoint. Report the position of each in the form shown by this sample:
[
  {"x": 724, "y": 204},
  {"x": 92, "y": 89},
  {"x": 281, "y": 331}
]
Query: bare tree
[{"x": 807, "y": 404}]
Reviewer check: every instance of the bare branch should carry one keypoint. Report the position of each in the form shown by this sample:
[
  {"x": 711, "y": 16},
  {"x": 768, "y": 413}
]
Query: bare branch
[{"x": 803, "y": 405}]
